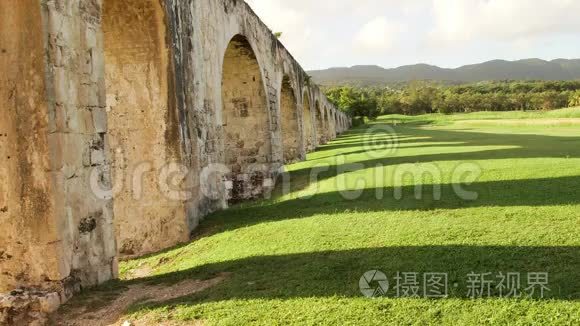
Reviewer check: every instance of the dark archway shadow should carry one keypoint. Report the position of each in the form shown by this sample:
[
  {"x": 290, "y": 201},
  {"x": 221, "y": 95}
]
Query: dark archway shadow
[
  {"x": 337, "y": 273},
  {"x": 528, "y": 192},
  {"x": 517, "y": 146}
]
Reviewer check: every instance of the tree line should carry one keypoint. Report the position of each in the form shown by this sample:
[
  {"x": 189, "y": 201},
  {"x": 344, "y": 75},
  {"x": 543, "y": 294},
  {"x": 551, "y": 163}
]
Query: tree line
[{"x": 428, "y": 97}]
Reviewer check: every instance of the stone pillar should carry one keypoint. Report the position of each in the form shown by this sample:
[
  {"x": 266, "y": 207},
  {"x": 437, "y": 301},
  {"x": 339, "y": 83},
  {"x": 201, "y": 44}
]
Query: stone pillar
[{"x": 57, "y": 236}]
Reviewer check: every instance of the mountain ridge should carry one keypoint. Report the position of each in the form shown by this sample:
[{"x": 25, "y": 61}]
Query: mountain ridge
[{"x": 524, "y": 69}]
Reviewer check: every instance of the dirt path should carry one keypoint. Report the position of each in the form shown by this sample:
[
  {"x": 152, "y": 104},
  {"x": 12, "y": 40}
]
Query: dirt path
[{"x": 112, "y": 313}]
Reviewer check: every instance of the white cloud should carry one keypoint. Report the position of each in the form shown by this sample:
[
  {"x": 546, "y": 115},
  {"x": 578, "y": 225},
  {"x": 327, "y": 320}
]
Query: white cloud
[
  {"x": 292, "y": 22},
  {"x": 502, "y": 20},
  {"x": 379, "y": 34},
  {"x": 327, "y": 33}
]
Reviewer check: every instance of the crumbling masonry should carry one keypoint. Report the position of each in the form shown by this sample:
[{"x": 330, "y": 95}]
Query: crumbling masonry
[{"x": 124, "y": 122}]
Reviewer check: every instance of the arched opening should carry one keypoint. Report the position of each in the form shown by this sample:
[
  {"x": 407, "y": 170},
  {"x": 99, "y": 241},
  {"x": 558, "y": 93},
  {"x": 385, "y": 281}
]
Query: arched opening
[
  {"x": 331, "y": 125},
  {"x": 320, "y": 130},
  {"x": 143, "y": 127},
  {"x": 326, "y": 122},
  {"x": 309, "y": 141},
  {"x": 335, "y": 123},
  {"x": 290, "y": 123},
  {"x": 246, "y": 125}
]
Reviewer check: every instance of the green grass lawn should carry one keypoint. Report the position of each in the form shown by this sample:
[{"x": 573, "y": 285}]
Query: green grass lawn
[
  {"x": 437, "y": 118},
  {"x": 297, "y": 258}
]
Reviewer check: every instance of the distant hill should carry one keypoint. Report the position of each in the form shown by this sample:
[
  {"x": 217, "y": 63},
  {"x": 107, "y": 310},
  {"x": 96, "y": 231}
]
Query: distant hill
[{"x": 527, "y": 69}]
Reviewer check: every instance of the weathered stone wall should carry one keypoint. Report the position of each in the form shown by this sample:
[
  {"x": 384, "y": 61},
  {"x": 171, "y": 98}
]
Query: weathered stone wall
[
  {"x": 28, "y": 252},
  {"x": 328, "y": 124},
  {"x": 55, "y": 235},
  {"x": 215, "y": 24},
  {"x": 290, "y": 123},
  {"x": 77, "y": 140},
  {"x": 320, "y": 123},
  {"x": 143, "y": 133},
  {"x": 142, "y": 114},
  {"x": 245, "y": 121},
  {"x": 308, "y": 123},
  {"x": 51, "y": 73},
  {"x": 333, "y": 125}
]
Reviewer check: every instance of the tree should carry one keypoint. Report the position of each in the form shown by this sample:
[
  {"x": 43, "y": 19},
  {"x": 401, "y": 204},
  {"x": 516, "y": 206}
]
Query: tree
[
  {"x": 423, "y": 97},
  {"x": 364, "y": 106},
  {"x": 418, "y": 99},
  {"x": 390, "y": 103},
  {"x": 574, "y": 98}
]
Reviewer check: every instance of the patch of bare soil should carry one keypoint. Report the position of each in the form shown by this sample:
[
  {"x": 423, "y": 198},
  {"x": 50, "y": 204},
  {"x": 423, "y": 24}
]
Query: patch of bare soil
[
  {"x": 111, "y": 313},
  {"x": 139, "y": 272}
]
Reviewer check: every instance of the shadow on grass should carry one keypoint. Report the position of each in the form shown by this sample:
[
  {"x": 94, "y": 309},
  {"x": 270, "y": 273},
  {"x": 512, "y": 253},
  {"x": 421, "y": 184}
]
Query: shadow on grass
[
  {"x": 337, "y": 273},
  {"x": 519, "y": 146},
  {"x": 528, "y": 192}
]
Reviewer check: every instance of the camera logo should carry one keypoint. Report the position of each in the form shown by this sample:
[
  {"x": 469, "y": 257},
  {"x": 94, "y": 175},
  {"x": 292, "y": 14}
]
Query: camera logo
[{"x": 373, "y": 284}]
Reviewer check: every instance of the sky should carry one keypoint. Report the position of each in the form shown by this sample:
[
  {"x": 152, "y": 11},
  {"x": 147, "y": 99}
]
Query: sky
[{"x": 448, "y": 33}]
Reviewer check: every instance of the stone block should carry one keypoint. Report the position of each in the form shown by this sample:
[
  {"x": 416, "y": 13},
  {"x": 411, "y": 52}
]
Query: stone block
[{"x": 49, "y": 303}]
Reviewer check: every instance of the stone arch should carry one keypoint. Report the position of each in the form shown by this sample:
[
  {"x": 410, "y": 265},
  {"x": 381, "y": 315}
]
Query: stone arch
[
  {"x": 308, "y": 129},
  {"x": 143, "y": 127},
  {"x": 326, "y": 122},
  {"x": 290, "y": 123},
  {"x": 320, "y": 128},
  {"x": 245, "y": 118},
  {"x": 332, "y": 123}
]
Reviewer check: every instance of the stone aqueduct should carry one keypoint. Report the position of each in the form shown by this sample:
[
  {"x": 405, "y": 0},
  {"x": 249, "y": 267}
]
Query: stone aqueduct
[{"x": 97, "y": 91}]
